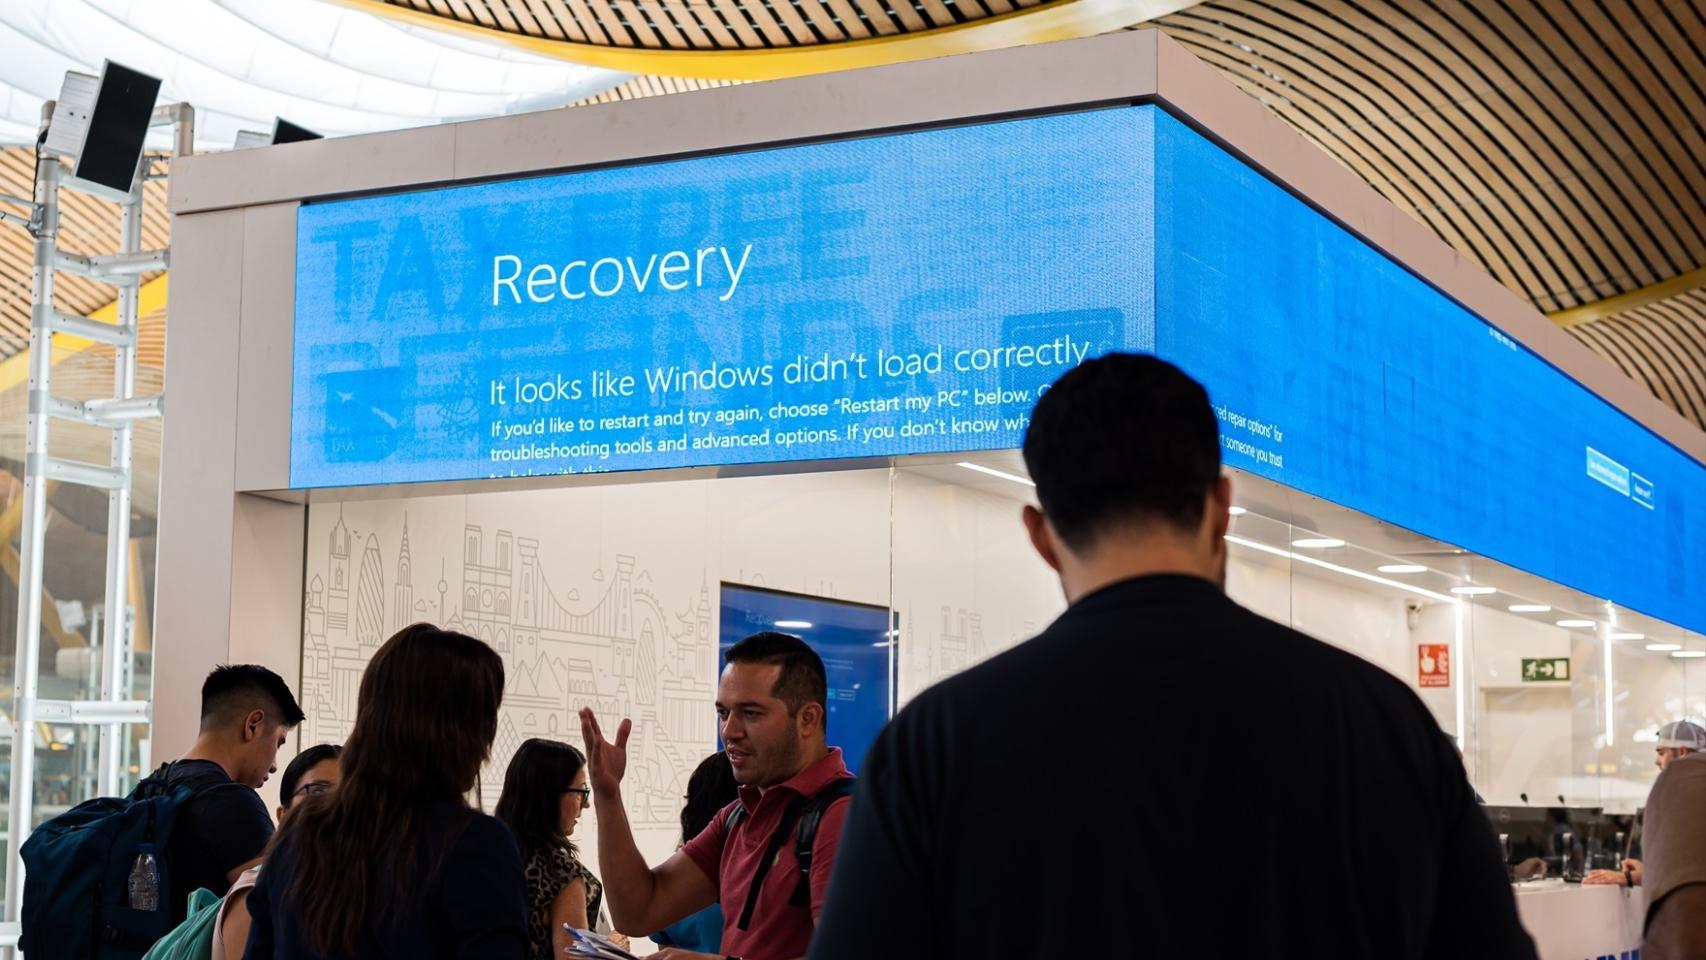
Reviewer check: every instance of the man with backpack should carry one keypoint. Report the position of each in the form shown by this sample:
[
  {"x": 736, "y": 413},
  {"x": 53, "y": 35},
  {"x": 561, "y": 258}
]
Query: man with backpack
[
  {"x": 766, "y": 858},
  {"x": 111, "y": 876}
]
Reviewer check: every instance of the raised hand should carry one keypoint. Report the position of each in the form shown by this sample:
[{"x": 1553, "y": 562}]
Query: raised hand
[{"x": 606, "y": 762}]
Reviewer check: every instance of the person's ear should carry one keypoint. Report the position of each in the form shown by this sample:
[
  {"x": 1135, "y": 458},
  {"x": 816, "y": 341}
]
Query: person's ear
[
  {"x": 1218, "y": 510},
  {"x": 254, "y": 725},
  {"x": 811, "y": 717},
  {"x": 1042, "y": 539},
  {"x": 279, "y": 815}
]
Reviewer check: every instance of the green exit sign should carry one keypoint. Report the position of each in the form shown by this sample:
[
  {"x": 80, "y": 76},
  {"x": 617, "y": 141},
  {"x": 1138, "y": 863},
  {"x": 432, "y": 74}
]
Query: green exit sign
[{"x": 1545, "y": 669}]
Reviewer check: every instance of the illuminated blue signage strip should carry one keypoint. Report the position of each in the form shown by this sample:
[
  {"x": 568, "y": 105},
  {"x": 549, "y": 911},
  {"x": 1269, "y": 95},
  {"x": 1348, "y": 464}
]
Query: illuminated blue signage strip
[
  {"x": 914, "y": 293},
  {"x": 908, "y": 294},
  {"x": 1338, "y": 373}
]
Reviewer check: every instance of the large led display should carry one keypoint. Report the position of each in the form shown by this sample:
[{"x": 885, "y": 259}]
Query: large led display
[
  {"x": 914, "y": 293},
  {"x": 904, "y": 294},
  {"x": 1337, "y": 372}
]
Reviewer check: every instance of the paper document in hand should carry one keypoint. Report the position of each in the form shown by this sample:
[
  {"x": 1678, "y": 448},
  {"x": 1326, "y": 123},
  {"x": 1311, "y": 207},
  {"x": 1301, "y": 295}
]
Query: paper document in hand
[{"x": 589, "y": 944}]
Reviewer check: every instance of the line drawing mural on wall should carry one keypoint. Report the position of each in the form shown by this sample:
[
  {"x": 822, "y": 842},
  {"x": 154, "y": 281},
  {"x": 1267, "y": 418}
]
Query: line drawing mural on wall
[
  {"x": 620, "y": 648},
  {"x": 609, "y": 597}
]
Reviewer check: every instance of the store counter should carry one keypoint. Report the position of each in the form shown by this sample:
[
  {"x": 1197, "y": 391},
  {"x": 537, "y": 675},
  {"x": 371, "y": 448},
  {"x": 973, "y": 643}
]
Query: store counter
[{"x": 1571, "y": 922}]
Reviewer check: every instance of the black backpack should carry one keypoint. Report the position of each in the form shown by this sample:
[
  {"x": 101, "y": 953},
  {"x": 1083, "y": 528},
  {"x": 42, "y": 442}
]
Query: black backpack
[
  {"x": 76, "y": 898},
  {"x": 807, "y": 813}
]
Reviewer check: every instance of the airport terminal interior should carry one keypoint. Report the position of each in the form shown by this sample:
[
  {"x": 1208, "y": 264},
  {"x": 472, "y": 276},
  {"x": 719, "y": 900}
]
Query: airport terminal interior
[{"x": 609, "y": 332}]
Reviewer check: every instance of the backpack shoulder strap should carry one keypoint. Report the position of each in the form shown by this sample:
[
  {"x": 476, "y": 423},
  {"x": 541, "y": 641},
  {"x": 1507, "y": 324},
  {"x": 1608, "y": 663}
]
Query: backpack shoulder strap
[
  {"x": 805, "y": 837},
  {"x": 155, "y": 783},
  {"x": 737, "y": 813},
  {"x": 772, "y": 850}
]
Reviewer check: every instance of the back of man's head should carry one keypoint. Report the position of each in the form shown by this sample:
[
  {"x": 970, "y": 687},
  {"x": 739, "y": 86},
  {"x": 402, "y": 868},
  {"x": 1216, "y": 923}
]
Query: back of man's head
[
  {"x": 1684, "y": 735},
  {"x": 232, "y": 692},
  {"x": 802, "y": 679},
  {"x": 1124, "y": 441}
]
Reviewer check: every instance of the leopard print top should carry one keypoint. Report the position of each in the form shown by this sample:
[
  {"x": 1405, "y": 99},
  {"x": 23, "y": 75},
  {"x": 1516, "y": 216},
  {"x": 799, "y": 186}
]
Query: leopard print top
[{"x": 547, "y": 873}]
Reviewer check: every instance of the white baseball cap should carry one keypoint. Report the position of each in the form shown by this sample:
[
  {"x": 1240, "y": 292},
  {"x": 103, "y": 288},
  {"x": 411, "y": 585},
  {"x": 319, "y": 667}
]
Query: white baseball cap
[{"x": 1683, "y": 733}]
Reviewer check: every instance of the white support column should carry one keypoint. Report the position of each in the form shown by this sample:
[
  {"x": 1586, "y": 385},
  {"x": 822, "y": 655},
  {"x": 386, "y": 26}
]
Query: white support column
[
  {"x": 28, "y": 641},
  {"x": 116, "y": 645}
]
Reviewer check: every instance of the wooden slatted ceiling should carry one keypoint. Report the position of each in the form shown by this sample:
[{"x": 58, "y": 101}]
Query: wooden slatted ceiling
[
  {"x": 648, "y": 86},
  {"x": 1661, "y": 345},
  {"x": 1558, "y": 142},
  {"x": 87, "y": 226},
  {"x": 714, "y": 24}
]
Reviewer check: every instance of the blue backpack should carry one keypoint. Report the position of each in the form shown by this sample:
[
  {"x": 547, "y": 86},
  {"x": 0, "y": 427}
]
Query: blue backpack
[{"x": 77, "y": 873}]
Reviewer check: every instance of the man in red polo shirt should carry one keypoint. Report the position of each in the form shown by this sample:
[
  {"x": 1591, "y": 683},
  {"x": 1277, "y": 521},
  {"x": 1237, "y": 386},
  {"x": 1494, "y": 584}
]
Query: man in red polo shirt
[{"x": 771, "y": 704}]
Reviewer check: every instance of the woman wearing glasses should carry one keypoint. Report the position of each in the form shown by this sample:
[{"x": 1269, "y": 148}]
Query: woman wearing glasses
[
  {"x": 312, "y": 773},
  {"x": 544, "y": 794}
]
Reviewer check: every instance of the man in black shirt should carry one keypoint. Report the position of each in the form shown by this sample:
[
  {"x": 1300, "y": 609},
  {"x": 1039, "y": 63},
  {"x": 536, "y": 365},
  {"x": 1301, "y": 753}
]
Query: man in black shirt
[
  {"x": 1096, "y": 790},
  {"x": 246, "y": 713}
]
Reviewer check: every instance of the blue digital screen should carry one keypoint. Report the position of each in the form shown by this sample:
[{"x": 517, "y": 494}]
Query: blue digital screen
[
  {"x": 894, "y": 295},
  {"x": 852, "y": 639},
  {"x": 1338, "y": 373},
  {"x": 914, "y": 293}
]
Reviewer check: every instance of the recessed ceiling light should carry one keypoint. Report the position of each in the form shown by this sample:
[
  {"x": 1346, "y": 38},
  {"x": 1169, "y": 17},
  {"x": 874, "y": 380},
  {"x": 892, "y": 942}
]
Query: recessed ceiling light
[
  {"x": 1689, "y": 654},
  {"x": 1473, "y": 591},
  {"x": 1625, "y": 636},
  {"x": 1317, "y": 543},
  {"x": 1403, "y": 568},
  {"x": 794, "y": 624},
  {"x": 1529, "y": 608},
  {"x": 1663, "y": 647},
  {"x": 1237, "y": 511},
  {"x": 991, "y": 471},
  {"x": 1575, "y": 624}
]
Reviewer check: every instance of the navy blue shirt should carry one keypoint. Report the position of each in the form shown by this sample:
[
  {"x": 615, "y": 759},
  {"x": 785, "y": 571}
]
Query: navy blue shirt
[
  {"x": 468, "y": 904},
  {"x": 1163, "y": 773},
  {"x": 224, "y": 826}
]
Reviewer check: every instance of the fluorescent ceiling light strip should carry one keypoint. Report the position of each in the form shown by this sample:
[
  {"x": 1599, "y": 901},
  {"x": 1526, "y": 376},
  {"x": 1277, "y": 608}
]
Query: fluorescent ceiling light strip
[
  {"x": 1529, "y": 608},
  {"x": 1403, "y": 568},
  {"x": 1318, "y": 543},
  {"x": 980, "y": 468},
  {"x": 1689, "y": 654},
  {"x": 1610, "y": 684},
  {"x": 1664, "y": 647},
  {"x": 1457, "y": 612},
  {"x": 1336, "y": 568},
  {"x": 1576, "y": 624},
  {"x": 1473, "y": 591},
  {"x": 1626, "y": 636}
]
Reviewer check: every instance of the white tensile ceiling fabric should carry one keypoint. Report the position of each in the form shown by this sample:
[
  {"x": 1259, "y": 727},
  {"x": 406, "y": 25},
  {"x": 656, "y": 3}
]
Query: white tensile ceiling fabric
[{"x": 242, "y": 63}]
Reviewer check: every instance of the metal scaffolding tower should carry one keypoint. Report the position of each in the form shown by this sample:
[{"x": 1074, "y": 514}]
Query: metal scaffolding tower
[{"x": 114, "y": 713}]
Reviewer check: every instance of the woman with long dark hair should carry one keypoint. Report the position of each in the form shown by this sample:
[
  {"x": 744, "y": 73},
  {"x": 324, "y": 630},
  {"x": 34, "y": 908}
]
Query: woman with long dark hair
[
  {"x": 394, "y": 863},
  {"x": 544, "y": 795}
]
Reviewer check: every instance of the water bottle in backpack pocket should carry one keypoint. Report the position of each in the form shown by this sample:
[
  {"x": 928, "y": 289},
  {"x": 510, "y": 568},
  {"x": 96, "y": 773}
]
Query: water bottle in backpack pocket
[{"x": 97, "y": 877}]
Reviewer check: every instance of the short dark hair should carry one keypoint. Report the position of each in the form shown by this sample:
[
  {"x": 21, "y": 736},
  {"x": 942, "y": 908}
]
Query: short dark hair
[
  {"x": 711, "y": 788},
  {"x": 802, "y": 679},
  {"x": 231, "y": 691},
  {"x": 1125, "y": 439},
  {"x": 298, "y": 768}
]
